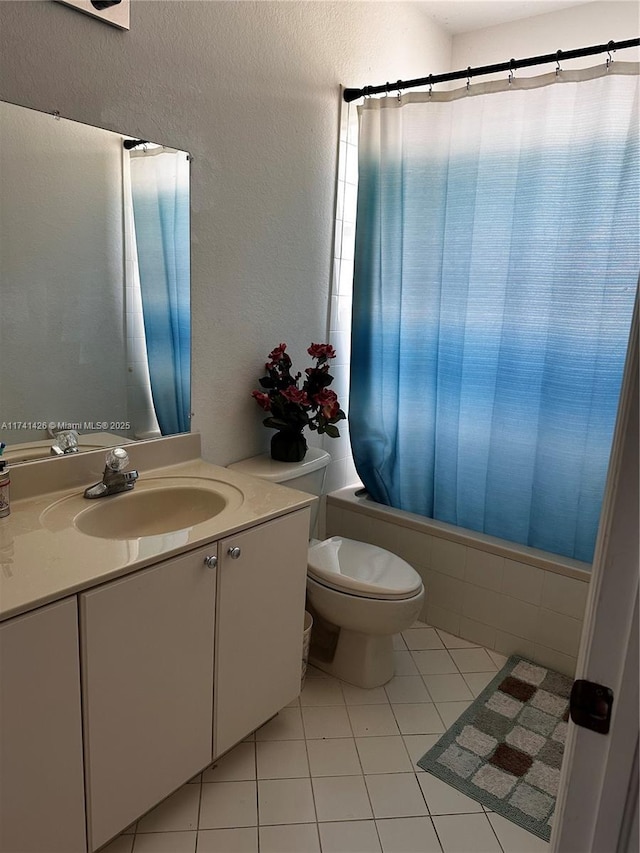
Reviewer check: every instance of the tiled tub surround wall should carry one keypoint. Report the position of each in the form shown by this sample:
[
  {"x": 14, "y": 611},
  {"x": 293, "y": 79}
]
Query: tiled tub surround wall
[{"x": 510, "y": 598}]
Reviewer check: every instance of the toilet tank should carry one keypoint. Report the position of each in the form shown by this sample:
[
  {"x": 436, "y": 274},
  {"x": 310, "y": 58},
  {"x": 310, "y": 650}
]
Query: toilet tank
[{"x": 307, "y": 476}]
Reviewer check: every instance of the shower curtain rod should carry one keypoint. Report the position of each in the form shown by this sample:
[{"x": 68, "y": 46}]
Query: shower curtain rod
[{"x": 511, "y": 65}]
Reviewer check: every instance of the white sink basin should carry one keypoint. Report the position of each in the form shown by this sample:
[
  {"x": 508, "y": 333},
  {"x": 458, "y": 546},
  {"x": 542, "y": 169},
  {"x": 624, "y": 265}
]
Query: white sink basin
[{"x": 154, "y": 507}]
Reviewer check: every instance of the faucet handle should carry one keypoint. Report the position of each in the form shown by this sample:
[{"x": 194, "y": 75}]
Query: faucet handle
[{"x": 117, "y": 459}]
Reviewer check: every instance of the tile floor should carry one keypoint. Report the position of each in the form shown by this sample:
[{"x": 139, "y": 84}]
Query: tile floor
[{"x": 335, "y": 771}]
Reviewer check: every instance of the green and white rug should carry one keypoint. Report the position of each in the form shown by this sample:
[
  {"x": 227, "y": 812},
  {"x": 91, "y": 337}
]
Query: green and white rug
[{"x": 505, "y": 751}]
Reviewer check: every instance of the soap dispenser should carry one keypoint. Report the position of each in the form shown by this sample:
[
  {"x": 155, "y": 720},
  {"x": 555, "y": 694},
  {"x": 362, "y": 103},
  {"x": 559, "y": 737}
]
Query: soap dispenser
[{"x": 5, "y": 481}]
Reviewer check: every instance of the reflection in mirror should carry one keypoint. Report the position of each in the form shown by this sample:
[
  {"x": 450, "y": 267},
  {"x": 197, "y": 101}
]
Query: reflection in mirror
[{"x": 94, "y": 281}]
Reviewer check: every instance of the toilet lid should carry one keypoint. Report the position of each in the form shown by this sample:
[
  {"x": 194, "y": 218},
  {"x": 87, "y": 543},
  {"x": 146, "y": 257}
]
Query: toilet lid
[{"x": 362, "y": 569}]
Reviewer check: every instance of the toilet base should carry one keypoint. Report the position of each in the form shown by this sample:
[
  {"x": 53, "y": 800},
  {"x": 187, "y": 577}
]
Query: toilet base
[{"x": 364, "y": 660}]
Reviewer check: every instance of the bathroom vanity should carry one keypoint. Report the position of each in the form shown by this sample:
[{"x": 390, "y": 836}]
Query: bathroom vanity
[{"x": 129, "y": 664}]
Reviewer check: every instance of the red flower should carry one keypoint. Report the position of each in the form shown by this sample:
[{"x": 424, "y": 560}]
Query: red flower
[
  {"x": 328, "y": 402},
  {"x": 321, "y": 351},
  {"x": 295, "y": 395},
  {"x": 263, "y": 400},
  {"x": 277, "y": 353}
]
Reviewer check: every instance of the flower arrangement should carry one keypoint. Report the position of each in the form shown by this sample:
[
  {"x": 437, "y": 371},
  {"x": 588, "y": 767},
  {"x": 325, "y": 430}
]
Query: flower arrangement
[{"x": 293, "y": 407}]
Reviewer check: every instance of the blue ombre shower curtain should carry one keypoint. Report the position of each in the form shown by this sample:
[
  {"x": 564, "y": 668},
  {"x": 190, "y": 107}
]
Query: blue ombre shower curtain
[
  {"x": 497, "y": 258},
  {"x": 160, "y": 193}
]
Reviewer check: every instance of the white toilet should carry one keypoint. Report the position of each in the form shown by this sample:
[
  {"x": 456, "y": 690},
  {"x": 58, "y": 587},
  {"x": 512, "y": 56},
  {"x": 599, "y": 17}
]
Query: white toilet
[{"x": 360, "y": 595}]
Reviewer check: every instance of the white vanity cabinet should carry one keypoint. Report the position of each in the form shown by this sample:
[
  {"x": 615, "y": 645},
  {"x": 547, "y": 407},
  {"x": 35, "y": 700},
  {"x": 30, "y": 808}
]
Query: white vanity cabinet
[
  {"x": 41, "y": 783},
  {"x": 147, "y": 674},
  {"x": 260, "y": 619}
]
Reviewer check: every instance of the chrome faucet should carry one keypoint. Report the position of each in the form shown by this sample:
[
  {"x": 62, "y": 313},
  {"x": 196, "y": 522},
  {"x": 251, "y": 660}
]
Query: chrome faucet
[
  {"x": 114, "y": 479},
  {"x": 66, "y": 442}
]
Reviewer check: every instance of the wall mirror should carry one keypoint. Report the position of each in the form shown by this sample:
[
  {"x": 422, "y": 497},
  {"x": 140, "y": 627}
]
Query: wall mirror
[{"x": 95, "y": 287}]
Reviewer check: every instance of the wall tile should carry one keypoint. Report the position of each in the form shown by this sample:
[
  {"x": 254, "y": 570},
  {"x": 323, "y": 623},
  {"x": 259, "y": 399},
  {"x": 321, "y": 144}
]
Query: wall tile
[
  {"x": 440, "y": 617},
  {"x": 518, "y": 617},
  {"x": 558, "y": 632},
  {"x": 566, "y": 664},
  {"x": 522, "y": 581},
  {"x": 445, "y": 591},
  {"x": 481, "y": 605},
  {"x": 564, "y": 595},
  {"x": 386, "y": 535},
  {"x": 484, "y": 569},
  {"x": 448, "y": 557},
  {"x": 508, "y": 644},
  {"x": 415, "y": 547},
  {"x": 476, "y": 632},
  {"x": 353, "y": 525}
]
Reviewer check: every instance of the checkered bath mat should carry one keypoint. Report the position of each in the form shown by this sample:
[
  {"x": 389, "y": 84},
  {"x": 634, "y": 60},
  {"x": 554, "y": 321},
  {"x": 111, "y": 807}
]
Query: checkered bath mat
[{"x": 505, "y": 750}]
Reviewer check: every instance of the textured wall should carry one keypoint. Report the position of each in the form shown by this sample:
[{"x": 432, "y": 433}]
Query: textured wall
[{"x": 252, "y": 91}]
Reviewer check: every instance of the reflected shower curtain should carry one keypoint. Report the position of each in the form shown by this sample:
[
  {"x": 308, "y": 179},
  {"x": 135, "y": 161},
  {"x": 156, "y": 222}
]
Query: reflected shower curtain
[
  {"x": 497, "y": 258},
  {"x": 160, "y": 192}
]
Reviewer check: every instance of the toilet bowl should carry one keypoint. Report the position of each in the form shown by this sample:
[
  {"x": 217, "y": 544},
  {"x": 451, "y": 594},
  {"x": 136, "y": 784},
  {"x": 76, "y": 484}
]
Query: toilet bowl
[{"x": 360, "y": 595}]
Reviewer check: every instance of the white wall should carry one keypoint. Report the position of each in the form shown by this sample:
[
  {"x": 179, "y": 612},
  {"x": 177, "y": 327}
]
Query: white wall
[
  {"x": 61, "y": 245},
  {"x": 578, "y": 26},
  {"x": 251, "y": 89}
]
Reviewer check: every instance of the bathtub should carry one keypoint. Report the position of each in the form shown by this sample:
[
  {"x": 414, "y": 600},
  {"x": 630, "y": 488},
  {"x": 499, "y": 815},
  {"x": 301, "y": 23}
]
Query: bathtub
[{"x": 498, "y": 594}]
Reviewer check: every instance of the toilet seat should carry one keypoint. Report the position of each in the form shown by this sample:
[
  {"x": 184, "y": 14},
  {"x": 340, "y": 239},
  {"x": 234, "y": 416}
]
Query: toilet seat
[{"x": 360, "y": 569}]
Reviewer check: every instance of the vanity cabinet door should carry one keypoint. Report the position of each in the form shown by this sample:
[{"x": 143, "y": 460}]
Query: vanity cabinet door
[
  {"x": 147, "y": 670},
  {"x": 41, "y": 781},
  {"x": 260, "y": 621}
]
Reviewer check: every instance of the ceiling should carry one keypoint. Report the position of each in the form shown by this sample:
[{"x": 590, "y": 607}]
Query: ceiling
[{"x": 462, "y": 16}]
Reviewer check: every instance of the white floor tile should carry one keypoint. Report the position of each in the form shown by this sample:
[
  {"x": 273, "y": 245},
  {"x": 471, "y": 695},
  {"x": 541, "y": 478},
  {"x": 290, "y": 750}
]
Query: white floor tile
[
  {"x": 444, "y": 799},
  {"x": 282, "y": 759},
  {"x": 177, "y": 812},
  {"x": 477, "y": 681},
  {"x": 330, "y": 721},
  {"x": 372, "y": 720},
  {"x": 341, "y": 798},
  {"x": 418, "y": 719},
  {"x": 121, "y": 844},
  {"x": 408, "y": 835},
  {"x": 362, "y": 696},
  {"x": 406, "y": 688},
  {"x": 497, "y": 658},
  {"x": 225, "y": 805},
  {"x": 417, "y": 746},
  {"x": 447, "y": 688},
  {"x": 450, "y": 711},
  {"x": 404, "y": 664},
  {"x": 355, "y": 836},
  {"x": 243, "y": 840},
  {"x": 383, "y": 755},
  {"x": 238, "y": 765},
  {"x": 452, "y": 642},
  {"x": 322, "y": 691},
  {"x": 395, "y": 795},
  {"x": 472, "y": 660},
  {"x": 314, "y": 672},
  {"x": 434, "y": 662},
  {"x": 333, "y": 757},
  {"x": 422, "y": 638},
  {"x": 285, "y": 801},
  {"x": 287, "y": 725},
  {"x": 291, "y": 838},
  {"x": 165, "y": 842},
  {"x": 466, "y": 832},
  {"x": 514, "y": 839}
]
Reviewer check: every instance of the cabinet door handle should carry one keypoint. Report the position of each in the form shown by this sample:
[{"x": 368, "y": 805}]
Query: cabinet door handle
[
  {"x": 234, "y": 553},
  {"x": 211, "y": 562}
]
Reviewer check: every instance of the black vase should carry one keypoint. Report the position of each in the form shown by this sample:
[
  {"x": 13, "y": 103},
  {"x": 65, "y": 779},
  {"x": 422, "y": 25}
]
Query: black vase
[{"x": 288, "y": 446}]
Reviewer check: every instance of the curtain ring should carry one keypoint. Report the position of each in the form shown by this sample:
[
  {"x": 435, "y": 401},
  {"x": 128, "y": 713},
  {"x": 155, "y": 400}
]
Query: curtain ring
[
  {"x": 468, "y": 77},
  {"x": 430, "y": 85},
  {"x": 558, "y": 69},
  {"x": 609, "y": 57},
  {"x": 399, "y": 88},
  {"x": 511, "y": 68}
]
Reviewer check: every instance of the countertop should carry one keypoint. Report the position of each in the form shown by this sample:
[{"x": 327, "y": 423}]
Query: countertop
[{"x": 43, "y": 557}]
